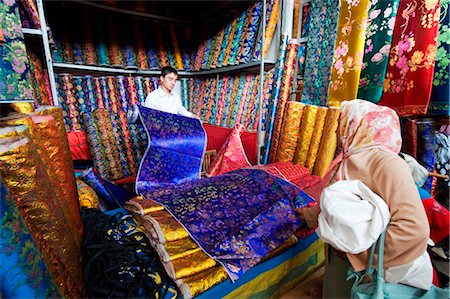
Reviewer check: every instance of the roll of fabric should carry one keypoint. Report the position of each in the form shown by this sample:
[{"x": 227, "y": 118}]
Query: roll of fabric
[
  {"x": 89, "y": 93},
  {"x": 14, "y": 66},
  {"x": 425, "y": 147},
  {"x": 306, "y": 132},
  {"x": 231, "y": 59},
  {"x": 57, "y": 53},
  {"x": 114, "y": 48},
  {"x": 128, "y": 47},
  {"x": 440, "y": 94},
  {"x": 211, "y": 100},
  {"x": 140, "y": 89},
  {"x": 98, "y": 92},
  {"x": 26, "y": 179},
  {"x": 230, "y": 41},
  {"x": 271, "y": 25},
  {"x": 218, "y": 46},
  {"x": 380, "y": 27},
  {"x": 267, "y": 96},
  {"x": 59, "y": 172},
  {"x": 236, "y": 101},
  {"x": 328, "y": 142},
  {"x": 141, "y": 55},
  {"x": 185, "y": 93},
  {"x": 248, "y": 38},
  {"x": 22, "y": 108},
  {"x": 316, "y": 137},
  {"x": 246, "y": 94},
  {"x": 270, "y": 120},
  {"x": 194, "y": 285},
  {"x": 38, "y": 72},
  {"x": 118, "y": 124},
  {"x": 67, "y": 48},
  {"x": 25, "y": 279},
  {"x": 409, "y": 136},
  {"x": 252, "y": 99},
  {"x": 442, "y": 163},
  {"x": 96, "y": 146},
  {"x": 185, "y": 266},
  {"x": 211, "y": 47},
  {"x": 87, "y": 196},
  {"x": 105, "y": 93},
  {"x": 287, "y": 80},
  {"x": 62, "y": 103},
  {"x": 32, "y": 12},
  {"x": 409, "y": 75},
  {"x": 229, "y": 103},
  {"x": 221, "y": 100},
  {"x": 152, "y": 51},
  {"x": 106, "y": 130},
  {"x": 148, "y": 85},
  {"x": 89, "y": 51},
  {"x": 132, "y": 91},
  {"x": 256, "y": 55},
  {"x": 290, "y": 131},
  {"x": 226, "y": 38},
  {"x": 321, "y": 40},
  {"x": 102, "y": 47},
  {"x": 348, "y": 52},
  {"x": 206, "y": 51},
  {"x": 176, "y": 47},
  {"x": 76, "y": 39},
  {"x": 162, "y": 54},
  {"x": 71, "y": 101},
  {"x": 80, "y": 96}
]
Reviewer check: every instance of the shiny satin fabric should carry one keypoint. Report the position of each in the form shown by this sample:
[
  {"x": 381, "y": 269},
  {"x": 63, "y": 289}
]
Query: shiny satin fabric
[
  {"x": 26, "y": 179},
  {"x": 138, "y": 206},
  {"x": 189, "y": 265},
  {"x": 87, "y": 196},
  {"x": 24, "y": 108},
  {"x": 194, "y": 285},
  {"x": 213, "y": 209},
  {"x": 348, "y": 52},
  {"x": 426, "y": 129},
  {"x": 164, "y": 228},
  {"x": 290, "y": 131},
  {"x": 285, "y": 94},
  {"x": 178, "y": 249},
  {"x": 316, "y": 137},
  {"x": 175, "y": 151},
  {"x": 305, "y": 134},
  {"x": 328, "y": 142}
]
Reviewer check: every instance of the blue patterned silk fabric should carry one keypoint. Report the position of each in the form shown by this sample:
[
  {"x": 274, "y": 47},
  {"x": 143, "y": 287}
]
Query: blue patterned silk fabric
[
  {"x": 237, "y": 218},
  {"x": 175, "y": 151}
]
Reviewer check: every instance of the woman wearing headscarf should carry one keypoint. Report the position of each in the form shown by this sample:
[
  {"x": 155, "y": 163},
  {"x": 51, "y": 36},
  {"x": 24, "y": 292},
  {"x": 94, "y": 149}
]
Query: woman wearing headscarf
[{"x": 370, "y": 139}]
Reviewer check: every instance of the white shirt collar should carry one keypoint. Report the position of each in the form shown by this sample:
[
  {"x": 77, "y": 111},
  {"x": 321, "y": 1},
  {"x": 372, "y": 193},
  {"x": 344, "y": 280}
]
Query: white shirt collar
[{"x": 162, "y": 93}]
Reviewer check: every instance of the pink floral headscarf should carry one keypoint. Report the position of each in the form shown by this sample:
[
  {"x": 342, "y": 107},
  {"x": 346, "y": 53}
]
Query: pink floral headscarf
[{"x": 364, "y": 126}]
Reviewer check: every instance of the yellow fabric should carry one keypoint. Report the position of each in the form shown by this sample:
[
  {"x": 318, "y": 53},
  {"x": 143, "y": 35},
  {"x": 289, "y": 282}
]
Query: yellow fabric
[
  {"x": 305, "y": 134},
  {"x": 166, "y": 227},
  {"x": 87, "y": 196},
  {"x": 230, "y": 42},
  {"x": 275, "y": 275},
  {"x": 315, "y": 139},
  {"x": 348, "y": 52},
  {"x": 328, "y": 142},
  {"x": 141, "y": 207},
  {"x": 194, "y": 285},
  {"x": 180, "y": 248},
  {"x": 24, "y": 108},
  {"x": 290, "y": 131},
  {"x": 189, "y": 265},
  {"x": 13, "y": 131}
]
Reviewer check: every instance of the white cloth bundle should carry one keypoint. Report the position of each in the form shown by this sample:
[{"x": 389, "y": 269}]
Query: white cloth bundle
[{"x": 352, "y": 216}]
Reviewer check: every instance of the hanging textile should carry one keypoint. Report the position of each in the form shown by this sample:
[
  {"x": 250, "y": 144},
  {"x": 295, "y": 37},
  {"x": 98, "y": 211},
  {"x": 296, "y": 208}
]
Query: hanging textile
[
  {"x": 322, "y": 36},
  {"x": 348, "y": 52},
  {"x": 168, "y": 162},
  {"x": 15, "y": 83},
  {"x": 379, "y": 32},
  {"x": 440, "y": 94},
  {"x": 409, "y": 75},
  {"x": 23, "y": 270}
]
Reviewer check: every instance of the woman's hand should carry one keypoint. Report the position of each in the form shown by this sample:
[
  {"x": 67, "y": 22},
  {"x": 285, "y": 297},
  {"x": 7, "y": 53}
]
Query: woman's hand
[{"x": 309, "y": 214}]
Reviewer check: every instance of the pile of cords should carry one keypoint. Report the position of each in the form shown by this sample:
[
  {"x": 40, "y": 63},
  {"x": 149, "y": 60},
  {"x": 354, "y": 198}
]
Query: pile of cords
[{"x": 119, "y": 261}]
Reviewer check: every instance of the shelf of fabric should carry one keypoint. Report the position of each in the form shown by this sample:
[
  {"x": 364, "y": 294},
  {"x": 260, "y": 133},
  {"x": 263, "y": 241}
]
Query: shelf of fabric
[
  {"x": 80, "y": 69},
  {"x": 130, "y": 12},
  {"x": 248, "y": 67}
]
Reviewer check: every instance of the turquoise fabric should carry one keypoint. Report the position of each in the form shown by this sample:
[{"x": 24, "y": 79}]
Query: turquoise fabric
[{"x": 23, "y": 273}]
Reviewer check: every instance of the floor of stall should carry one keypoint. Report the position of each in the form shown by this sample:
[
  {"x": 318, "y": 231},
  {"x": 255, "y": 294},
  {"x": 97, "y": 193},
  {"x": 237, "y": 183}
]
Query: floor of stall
[{"x": 309, "y": 288}]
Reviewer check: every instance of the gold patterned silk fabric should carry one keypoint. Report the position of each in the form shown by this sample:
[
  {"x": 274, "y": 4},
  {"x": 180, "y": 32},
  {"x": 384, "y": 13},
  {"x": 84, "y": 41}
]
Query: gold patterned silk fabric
[
  {"x": 141, "y": 207},
  {"x": 179, "y": 248},
  {"x": 24, "y": 108},
  {"x": 290, "y": 131},
  {"x": 305, "y": 134},
  {"x": 328, "y": 142},
  {"x": 315, "y": 139},
  {"x": 348, "y": 52},
  {"x": 26, "y": 178},
  {"x": 189, "y": 265},
  {"x": 194, "y": 285},
  {"x": 59, "y": 172},
  {"x": 165, "y": 227},
  {"x": 13, "y": 131}
]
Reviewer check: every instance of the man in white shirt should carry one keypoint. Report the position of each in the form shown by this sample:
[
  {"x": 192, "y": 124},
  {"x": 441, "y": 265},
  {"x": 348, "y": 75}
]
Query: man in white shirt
[{"x": 163, "y": 98}]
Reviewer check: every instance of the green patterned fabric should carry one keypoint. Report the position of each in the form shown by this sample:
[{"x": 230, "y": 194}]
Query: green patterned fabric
[{"x": 376, "y": 49}]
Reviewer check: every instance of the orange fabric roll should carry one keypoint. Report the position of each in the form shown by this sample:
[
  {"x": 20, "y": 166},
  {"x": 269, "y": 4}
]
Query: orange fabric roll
[
  {"x": 290, "y": 131},
  {"x": 305, "y": 134},
  {"x": 328, "y": 142},
  {"x": 315, "y": 139}
]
